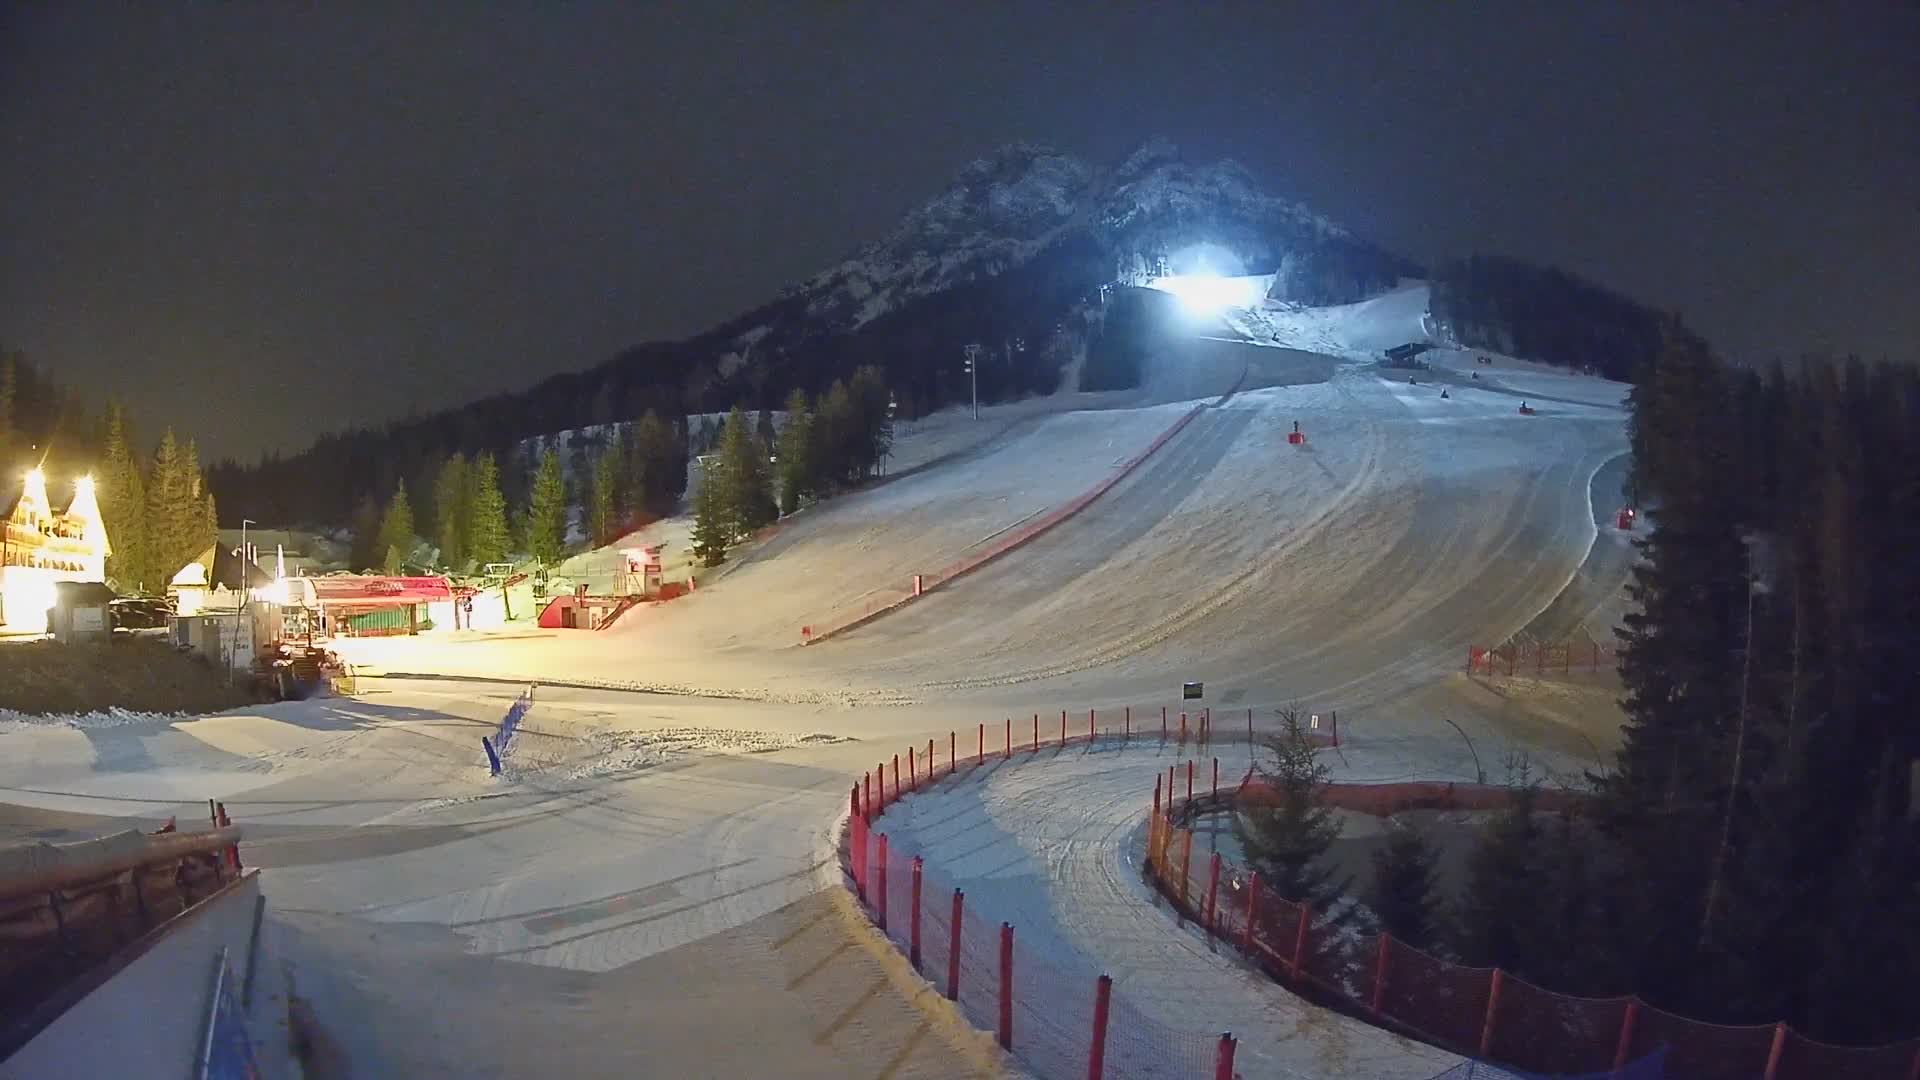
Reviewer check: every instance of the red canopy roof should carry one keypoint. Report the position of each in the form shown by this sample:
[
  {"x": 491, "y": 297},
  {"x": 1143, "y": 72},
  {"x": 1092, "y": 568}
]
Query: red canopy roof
[{"x": 366, "y": 589}]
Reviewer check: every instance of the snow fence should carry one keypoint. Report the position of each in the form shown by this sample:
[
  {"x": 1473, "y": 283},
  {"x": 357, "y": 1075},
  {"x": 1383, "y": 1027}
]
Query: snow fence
[
  {"x": 1485, "y": 1013},
  {"x": 1541, "y": 658}
]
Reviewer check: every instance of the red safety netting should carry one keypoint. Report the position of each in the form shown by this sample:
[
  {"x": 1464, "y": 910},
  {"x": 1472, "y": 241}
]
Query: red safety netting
[
  {"x": 1543, "y": 1031},
  {"x": 1801, "y": 1056},
  {"x": 1445, "y": 1002},
  {"x": 1527, "y": 1027},
  {"x": 1707, "y": 1051},
  {"x": 1051, "y": 1009}
]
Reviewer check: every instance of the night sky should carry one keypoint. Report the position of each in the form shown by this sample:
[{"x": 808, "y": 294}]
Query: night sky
[{"x": 258, "y": 223}]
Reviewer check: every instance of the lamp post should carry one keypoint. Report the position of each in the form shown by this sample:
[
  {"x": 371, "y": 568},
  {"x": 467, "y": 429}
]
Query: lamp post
[{"x": 240, "y": 601}]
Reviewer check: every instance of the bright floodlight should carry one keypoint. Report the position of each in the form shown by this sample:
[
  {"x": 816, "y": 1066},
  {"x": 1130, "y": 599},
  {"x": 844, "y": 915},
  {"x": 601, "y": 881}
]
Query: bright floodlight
[
  {"x": 1210, "y": 294},
  {"x": 84, "y": 485}
]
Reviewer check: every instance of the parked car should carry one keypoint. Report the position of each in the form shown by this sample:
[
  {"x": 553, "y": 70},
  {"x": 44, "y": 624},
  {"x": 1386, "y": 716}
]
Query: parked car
[{"x": 140, "y": 612}]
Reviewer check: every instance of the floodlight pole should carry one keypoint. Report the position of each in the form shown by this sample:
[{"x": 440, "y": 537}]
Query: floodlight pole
[{"x": 973, "y": 372}]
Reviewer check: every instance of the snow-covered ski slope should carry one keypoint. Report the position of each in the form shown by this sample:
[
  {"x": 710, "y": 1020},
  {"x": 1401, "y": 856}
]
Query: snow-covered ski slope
[{"x": 633, "y": 917}]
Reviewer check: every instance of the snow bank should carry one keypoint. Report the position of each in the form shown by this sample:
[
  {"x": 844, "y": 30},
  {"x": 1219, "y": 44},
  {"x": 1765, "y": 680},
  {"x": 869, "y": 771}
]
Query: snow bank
[{"x": 110, "y": 718}]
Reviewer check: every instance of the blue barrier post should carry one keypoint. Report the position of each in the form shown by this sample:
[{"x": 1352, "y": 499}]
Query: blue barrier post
[{"x": 493, "y": 758}]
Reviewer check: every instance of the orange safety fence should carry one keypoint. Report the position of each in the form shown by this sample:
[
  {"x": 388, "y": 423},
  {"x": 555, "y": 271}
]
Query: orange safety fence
[{"x": 1483, "y": 1013}]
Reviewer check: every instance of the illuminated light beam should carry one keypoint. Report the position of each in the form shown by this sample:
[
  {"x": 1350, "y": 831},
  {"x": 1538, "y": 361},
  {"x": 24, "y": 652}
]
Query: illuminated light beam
[{"x": 1210, "y": 294}]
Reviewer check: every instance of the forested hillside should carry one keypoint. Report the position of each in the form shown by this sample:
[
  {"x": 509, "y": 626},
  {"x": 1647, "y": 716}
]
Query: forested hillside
[
  {"x": 1542, "y": 313},
  {"x": 1763, "y": 856},
  {"x": 1011, "y": 256}
]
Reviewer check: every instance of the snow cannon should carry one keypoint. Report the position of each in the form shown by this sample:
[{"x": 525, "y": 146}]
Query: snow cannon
[
  {"x": 1624, "y": 519},
  {"x": 1295, "y": 437},
  {"x": 1443, "y": 393},
  {"x": 1527, "y": 410}
]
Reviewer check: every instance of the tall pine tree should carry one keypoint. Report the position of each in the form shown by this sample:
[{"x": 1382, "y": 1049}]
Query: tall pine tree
[
  {"x": 396, "y": 531},
  {"x": 489, "y": 541},
  {"x": 712, "y": 521},
  {"x": 453, "y": 512},
  {"x": 747, "y": 492},
  {"x": 122, "y": 493},
  {"x": 603, "y": 518},
  {"x": 173, "y": 517},
  {"x": 796, "y": 453},
  {"x": 547, "y": 511},
  {"x": 1286, "y": 832}
]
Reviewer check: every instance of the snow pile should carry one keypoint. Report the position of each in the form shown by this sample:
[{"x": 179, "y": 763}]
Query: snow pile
[
  {"x": 110, "y": 718},
  {"x": 1357, "y": 332}
]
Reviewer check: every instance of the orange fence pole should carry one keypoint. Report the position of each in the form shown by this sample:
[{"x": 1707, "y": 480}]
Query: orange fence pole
[
  {"x": 857, "y": 840},
  {"x": 1223, "y": 1057},
  {"x": 1097, "y": 1052},
  {"x": 1249, "y": 727},
  {"x": 866, "y": 805},
  {"x": 1253, "y": 911},
  {"x": 1006, "y": 986},
  {"x": 953, "y": 751},
  {"x": 1625, "y": 1045},
  {"x": 980, "y": 753},
  {"x": 913, "y": 774},
  {"x": 1189, "y": 780},
  {"x": 1493, "y": 1007},
  {"x": 1183, "y": 727},
  {"x": 1773, "y": 1053},
  {"x": 1063, "y": 727},
  {"x": 1090, "y": 713},
  {"x": 953, "y": 947},
  {"x": 1009, "y": 737},
  {"x": 913, "y": 948},
  {"x": 880, "y": 882},
  {"x": 1035, "y": 745},
  {"x": 1163, "y": 723},
  {"x": 1186, "y": 864},
  {"x": 1213, "y": 891},
  {"x": 1127, "y": 723},
  {"x": 1216, "y": 778}
]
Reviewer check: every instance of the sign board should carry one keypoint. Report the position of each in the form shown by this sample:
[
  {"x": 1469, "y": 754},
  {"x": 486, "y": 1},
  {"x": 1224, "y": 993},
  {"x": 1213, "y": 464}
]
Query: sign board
[
  {"x": 236, "y": 640},
  {"x": 1190, "y": 691},
  {"x": 89, "y": 620}
]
